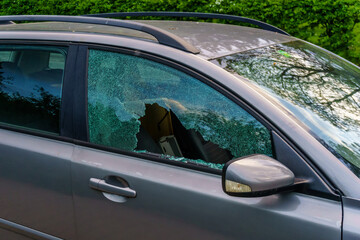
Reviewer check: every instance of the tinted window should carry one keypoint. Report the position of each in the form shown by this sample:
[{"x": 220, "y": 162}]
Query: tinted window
[
  {"x": 138, "y": 105},
  {"x": 30, "y": 86}
]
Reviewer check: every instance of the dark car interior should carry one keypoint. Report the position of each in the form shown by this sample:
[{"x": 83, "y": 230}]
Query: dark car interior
[{"x": 161, "y": 132}]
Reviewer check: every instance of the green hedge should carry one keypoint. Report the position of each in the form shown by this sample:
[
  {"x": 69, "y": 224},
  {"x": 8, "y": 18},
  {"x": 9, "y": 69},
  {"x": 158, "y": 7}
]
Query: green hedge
[{"x": 332, "y": 24}]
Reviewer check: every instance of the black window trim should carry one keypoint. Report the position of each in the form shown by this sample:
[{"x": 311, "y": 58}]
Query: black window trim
[{"x": 79, "y": 97}]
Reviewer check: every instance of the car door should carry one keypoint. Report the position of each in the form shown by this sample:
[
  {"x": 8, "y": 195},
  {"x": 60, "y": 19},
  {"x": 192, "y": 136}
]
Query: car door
[
  {"x": 158, "y": 137},
  {"x": 35, "y": 186}
]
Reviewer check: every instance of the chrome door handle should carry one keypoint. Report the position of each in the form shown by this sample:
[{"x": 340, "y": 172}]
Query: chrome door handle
[{"x": 101, "y": 185}]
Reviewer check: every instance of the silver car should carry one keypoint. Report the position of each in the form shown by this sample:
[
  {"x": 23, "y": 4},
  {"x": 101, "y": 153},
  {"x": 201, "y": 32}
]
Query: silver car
[{"x": 150, "y": 129}]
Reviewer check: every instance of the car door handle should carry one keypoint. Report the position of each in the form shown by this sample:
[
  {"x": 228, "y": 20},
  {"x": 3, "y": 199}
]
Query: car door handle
[{"x": 101, "y": 185}]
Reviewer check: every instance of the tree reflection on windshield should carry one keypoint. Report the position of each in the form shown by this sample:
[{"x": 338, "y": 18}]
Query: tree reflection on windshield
[{"x": 321, "y": 89}]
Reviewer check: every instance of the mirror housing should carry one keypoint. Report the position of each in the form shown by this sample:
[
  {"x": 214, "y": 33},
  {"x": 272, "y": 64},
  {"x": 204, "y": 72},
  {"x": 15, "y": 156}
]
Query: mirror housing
[{"x": 255, "y": 176}]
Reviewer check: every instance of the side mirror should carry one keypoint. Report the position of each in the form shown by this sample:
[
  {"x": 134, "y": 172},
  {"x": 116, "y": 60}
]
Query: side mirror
[{"x": 255, "y": 176}]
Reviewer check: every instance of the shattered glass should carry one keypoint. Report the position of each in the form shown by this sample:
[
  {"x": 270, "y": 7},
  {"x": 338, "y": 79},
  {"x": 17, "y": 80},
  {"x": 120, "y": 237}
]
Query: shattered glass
[{"x": 121, "y": 86}]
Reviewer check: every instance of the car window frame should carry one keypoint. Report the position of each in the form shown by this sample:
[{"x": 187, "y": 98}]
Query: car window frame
[
  {"x": 328, "y": 191},
  {"x": 191, "y": 72}
]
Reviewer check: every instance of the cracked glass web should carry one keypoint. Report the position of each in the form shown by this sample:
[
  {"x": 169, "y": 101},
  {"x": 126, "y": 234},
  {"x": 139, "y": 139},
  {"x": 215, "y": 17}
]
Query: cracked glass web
[{"x": 121, "y": 86}]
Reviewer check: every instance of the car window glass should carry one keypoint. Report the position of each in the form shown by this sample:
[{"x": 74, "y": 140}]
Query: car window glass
[
  {"x": 320, "y": 89},
  {"x": 30, "y": 91},
  {"x": 139, "y": 105}
]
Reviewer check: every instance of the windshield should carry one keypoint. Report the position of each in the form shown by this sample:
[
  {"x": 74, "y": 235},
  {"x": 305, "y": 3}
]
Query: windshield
[{"x": 319, "y": 88}]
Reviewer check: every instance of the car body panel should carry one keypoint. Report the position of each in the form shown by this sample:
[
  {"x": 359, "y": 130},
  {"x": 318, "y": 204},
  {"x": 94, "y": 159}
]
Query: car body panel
[
  {"x": 177, "y": 203},
  {"x": 14, "y": 231},
  {"x": 351, "y": 220},
  {"x": 35, "y": 186}
]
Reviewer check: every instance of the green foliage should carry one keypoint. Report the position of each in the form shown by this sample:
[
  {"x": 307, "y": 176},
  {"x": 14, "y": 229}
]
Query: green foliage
[{"x": 332, "y": 24}]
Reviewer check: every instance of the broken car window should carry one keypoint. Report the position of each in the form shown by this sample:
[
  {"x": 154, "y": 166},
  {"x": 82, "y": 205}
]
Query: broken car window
[{"x": 135, "y": 104}]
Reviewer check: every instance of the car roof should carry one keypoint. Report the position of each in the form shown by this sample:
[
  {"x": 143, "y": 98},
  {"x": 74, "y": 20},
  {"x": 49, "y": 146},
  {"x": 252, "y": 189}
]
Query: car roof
[
  {"x": 217, "y": 40},
  {"x": 77, "y": 27},
  {"x": 211, "y": 39}
]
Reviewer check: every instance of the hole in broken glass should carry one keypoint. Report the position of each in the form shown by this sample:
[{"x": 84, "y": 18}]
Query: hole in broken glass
[
  {"x": 162, "y": 132},
  {"x": 200, "y": 137}
]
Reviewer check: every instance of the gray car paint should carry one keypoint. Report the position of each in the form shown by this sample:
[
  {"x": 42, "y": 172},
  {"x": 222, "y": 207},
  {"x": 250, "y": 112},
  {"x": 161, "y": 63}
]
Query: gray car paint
[
  {"x": 78, "y": 27},
  {"x": 260, "y": 173},
  {"x": 35, "y": 186},
  {"x": 10, "y": 230},
  {"x": 217, "y": 40},
  {"x": 177, "y": 203},
  {"x": 351, "y": 230}
]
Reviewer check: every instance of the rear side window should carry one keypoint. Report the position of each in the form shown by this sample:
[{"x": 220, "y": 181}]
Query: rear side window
[
  {"x": 30, "y": 86},
  {"x": 138, "y": 105}
]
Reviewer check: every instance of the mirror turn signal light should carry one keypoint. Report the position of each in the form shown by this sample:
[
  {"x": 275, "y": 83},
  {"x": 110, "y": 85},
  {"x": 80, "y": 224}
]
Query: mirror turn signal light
[{"x": 235, "y": 187}]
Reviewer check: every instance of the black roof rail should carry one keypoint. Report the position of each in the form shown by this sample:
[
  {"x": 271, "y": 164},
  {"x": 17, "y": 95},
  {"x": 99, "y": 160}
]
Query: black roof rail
[
  {"x": 162, "y": 36},
  {"x": 263, "y": 25}
]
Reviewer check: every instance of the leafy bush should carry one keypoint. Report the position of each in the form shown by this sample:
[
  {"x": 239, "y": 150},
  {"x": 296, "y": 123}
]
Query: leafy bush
[{"x": 332, "y": 24}]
